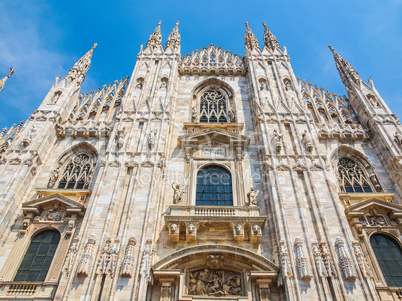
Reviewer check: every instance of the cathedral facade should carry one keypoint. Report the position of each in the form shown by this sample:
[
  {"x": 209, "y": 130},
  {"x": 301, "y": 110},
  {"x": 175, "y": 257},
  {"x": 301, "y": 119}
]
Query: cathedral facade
[{"x": 206, "y": 176}]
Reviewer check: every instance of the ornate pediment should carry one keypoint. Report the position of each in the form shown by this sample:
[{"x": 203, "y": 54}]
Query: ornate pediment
[
  {"x": 373, "y": 203},
  {"x": 213, "y": 135},
  {"x": 375, "y": 213},
  {"x": 55, "y": 210}
]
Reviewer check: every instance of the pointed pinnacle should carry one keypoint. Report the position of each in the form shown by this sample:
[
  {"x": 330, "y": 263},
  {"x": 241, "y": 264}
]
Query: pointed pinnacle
[
  {"x": 94, "y": 46},
  {"x": 331, "y": 48}
]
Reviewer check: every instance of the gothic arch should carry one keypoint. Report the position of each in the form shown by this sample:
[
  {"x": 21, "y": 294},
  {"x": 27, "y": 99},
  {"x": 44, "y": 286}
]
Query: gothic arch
[
  {"x": 233, "y": 271},
  {"x": 224, "y": 90},
  {"x": 75, "y": 168},
  {"x": 362, "y": 161},
  {"x": 242, "y": 255}
]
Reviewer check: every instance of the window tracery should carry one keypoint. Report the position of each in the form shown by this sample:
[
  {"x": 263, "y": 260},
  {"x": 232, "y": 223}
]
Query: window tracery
[
  {"x": 213, "y": 107},
  {"x": 214, "y": 187},
  {"x": 353, "y": 177},
  {"x": 77, "y": 173}
]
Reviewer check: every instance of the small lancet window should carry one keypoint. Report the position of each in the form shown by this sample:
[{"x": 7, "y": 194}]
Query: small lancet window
[
  {"x": 352, "y": 177},
  {"x": 213, "y": 107},
  {"x": 214, "y": 187},
  {"x": 76, "y": 173},
  {"x": 389, "y": 257},
  {"x": 39, "y": 256}
]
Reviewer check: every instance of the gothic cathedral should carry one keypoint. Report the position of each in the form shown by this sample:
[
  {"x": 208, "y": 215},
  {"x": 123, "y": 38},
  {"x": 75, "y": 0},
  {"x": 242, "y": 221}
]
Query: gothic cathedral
[{"x": 206, "y": 176}]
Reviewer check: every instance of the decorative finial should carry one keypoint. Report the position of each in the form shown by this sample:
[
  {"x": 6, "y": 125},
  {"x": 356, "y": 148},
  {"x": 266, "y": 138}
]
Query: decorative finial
[
  {"x": 12, "y": 70},
  {"x": 247, "y": 24},
  {"x": 3, "y": 81},
  {"x": 263, "y": 23},
  {"x": 330, "y": 47},
  {"x": 177, "y": 23},
  {"x": 94, "y": 46},
  {"x": 160, "y": 22}
]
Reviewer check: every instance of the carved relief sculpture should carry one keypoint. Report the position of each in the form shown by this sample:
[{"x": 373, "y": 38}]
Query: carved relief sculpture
[
  {"x": 72, "y": 253},
  {"x": 215, "y": 261},
  {"x": 345, "y": 260},
  {"x": 217, "y": 283},
  {"x": 361, "y": 259},
  {"x": 127, "y": 267},
  {"x": 329, "y": 264},
  {"x": 286, "y": 268},
  {"x": 191, "y": 232},
  {"x": 86, "y": 259},
  {"x": 319, "y": 261},
  {"x": 303, "y": 265}
]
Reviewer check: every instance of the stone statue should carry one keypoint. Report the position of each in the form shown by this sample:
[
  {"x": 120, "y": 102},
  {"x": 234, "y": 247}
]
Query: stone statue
[
  {"x": 231, "y": 115},
  {"x": 252, "y": 197},
  {"x": 177, "y": 194},
  {"x": 151, "y": 139},
  {"x": 193, "y": 114},
  {"x": 277, "y": 141},
  {"x": 398, "y": 138},
  {"x": 53, "y": 178}
]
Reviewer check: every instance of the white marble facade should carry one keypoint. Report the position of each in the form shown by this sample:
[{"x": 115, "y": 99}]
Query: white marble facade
[{"x": 115, "y": 171}]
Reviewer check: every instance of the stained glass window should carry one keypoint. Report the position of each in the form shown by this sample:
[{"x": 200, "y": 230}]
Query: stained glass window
[
  {"x": 39, "y": 256},
  {"x": 214, "y": 187}
]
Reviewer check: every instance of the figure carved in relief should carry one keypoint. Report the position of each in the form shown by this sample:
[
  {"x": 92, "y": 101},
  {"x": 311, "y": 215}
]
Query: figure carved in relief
[
  {"x": 190, "y": 229},
  {"x": 216, "y": 283},
  {"x": 238, "y": 229},
  {"x": 252, "y": 197},
  {"x": 177, "y": 193},
  {"x": 256, "y": 230}
]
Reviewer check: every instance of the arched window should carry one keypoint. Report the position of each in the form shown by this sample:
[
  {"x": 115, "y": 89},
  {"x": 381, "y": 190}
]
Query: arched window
[
  {"x": 76, "y": 174},
  {"x": 352, "y": 176},
  {"x": 389, "y": 257},
  {"x": 214, "y": 187},
  {"x": 39, "y": 256},
  {"x": 213, "y": 107}
]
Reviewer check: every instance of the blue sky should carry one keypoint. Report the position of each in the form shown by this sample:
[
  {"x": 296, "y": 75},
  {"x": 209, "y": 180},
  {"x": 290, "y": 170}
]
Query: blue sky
[{"x": 43, "y": 39}]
